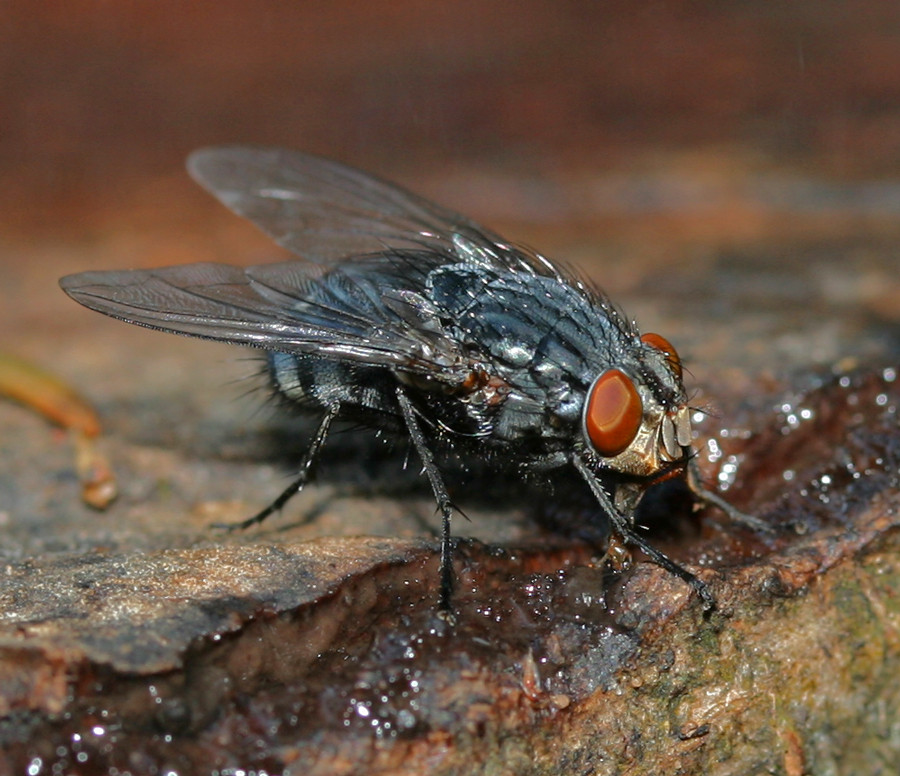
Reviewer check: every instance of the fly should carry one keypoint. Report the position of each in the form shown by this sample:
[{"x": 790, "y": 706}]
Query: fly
[{"x": 410, "y": 317}]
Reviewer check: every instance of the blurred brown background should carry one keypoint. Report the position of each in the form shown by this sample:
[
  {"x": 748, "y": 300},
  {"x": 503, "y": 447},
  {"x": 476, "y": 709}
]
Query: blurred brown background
[{"x": 101, "y": 101}]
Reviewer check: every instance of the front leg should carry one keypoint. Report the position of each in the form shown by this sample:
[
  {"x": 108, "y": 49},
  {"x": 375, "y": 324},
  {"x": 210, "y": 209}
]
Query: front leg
[{"x": 624, "y": 527}]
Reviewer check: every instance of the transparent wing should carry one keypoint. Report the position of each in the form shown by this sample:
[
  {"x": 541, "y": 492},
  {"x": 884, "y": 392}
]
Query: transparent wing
[
  {"x": 321, "y": 210},
  {"x": 357, "y": 312},
  {"x": 368, "y": 308}
]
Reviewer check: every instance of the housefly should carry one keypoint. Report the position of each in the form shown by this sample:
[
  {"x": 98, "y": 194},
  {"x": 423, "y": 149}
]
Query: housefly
[{"x": 405, "y": 316}]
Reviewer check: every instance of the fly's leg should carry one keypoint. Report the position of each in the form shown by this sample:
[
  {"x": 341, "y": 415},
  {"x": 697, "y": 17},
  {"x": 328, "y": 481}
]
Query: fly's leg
[
  {"x": 440, "y": 494},
  {"x": 713, "y": 499},
  {"x": 296, "y": 486},
  {"x": 623, "y": 527}
]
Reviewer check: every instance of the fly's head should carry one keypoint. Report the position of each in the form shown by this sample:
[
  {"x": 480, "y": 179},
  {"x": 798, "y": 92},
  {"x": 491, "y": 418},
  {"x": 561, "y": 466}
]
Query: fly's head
[{"x": 635, "y": 418}]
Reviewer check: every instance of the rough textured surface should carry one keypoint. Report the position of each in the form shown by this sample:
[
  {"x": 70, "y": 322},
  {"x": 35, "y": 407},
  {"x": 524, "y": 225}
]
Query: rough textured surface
[
  {"x": 329, "y": 656},
  {"x": 729, "y": 176}
]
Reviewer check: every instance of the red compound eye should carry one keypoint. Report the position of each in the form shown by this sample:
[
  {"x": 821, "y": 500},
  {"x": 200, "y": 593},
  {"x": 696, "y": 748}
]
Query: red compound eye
[
  {"x": 661, "y": 343},
  {"x": 613, "y": 413}
]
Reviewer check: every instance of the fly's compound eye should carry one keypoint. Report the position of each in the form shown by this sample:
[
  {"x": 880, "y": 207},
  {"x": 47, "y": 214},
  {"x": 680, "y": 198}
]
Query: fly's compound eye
[
  {"x": 613, "y": 413},
  {"x": 661, "y": 343}
]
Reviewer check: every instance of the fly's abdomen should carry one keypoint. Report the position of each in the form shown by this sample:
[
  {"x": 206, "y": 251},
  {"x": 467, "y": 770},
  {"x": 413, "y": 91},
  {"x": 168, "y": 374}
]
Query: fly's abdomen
[{"x": 313, "y": 384}]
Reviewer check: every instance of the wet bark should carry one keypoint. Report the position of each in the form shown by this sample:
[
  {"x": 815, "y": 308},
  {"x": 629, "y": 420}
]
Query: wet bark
[{"x": 330, "y": 655}]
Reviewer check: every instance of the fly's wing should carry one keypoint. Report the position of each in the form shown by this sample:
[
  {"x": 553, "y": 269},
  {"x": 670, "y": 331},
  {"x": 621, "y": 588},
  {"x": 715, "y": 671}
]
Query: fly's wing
[
  {"x": 322, "y": 210},
  {"x": 352, "y": 313},
  {"x": 367, "y": 308}
]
